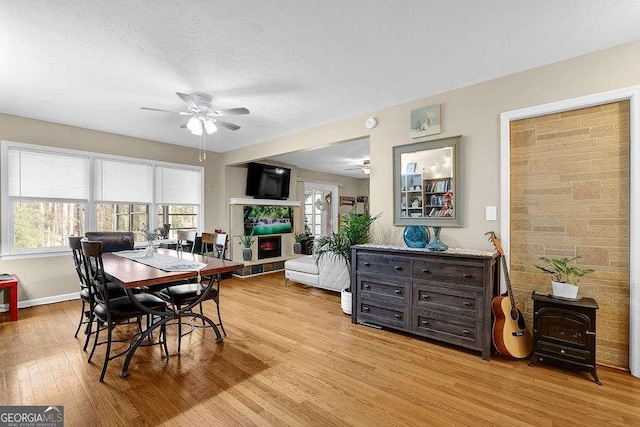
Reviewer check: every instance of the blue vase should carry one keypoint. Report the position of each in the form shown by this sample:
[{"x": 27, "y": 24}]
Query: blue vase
[
  {"x": 416, "y": 236},
  {"x": 436, "y": 244}
]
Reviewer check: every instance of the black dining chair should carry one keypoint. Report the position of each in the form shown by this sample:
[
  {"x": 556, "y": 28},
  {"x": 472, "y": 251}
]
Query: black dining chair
[
  {"x": 86, "y": 313},
  {"x": 109, "y": 312},
  {"x": 182, "y": 295}
]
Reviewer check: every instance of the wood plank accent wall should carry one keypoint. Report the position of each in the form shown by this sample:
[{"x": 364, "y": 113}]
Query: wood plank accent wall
[{"x": 570, "y": 197}]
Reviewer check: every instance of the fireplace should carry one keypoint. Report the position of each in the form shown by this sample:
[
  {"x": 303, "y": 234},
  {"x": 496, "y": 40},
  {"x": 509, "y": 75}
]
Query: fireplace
[{"x": 269, "y": 247}]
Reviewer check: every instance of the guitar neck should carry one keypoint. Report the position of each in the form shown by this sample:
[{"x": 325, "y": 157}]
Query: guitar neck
[{"x": 508, "y": 281}]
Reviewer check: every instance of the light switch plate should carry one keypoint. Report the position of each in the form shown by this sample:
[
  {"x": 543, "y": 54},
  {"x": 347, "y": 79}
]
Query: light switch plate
[{"x": 491, "y": 213}]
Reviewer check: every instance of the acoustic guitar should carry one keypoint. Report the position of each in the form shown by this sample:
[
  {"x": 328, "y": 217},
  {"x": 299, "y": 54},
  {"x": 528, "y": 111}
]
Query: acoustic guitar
[{"x": 510, "y": 334}]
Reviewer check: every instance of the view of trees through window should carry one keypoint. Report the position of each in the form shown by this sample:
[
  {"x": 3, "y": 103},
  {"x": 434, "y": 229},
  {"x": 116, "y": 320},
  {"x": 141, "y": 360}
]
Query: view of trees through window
[
  {"x": 180, "y": 217},
  {"x": 46, "y": 224},
  {"x": 122, "y": 217}
]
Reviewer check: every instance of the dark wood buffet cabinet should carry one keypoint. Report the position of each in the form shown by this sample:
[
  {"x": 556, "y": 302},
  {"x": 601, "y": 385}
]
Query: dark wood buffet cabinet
[{"x": 445, "y": 296}]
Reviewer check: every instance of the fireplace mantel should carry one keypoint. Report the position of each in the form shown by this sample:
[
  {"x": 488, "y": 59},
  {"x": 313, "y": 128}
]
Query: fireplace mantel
[{"x": 264, "y": 202}]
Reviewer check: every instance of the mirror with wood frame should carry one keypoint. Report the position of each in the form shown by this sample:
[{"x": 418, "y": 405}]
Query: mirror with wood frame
[{"x": 427, "y": 183}]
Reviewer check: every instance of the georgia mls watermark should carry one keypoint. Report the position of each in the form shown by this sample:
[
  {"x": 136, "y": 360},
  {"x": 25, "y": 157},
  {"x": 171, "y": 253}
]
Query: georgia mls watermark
[{"x": 31, "y": 416}]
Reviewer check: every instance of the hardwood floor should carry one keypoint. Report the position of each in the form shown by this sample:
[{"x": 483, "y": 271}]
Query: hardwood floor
[{"x": 292, "y": 358}]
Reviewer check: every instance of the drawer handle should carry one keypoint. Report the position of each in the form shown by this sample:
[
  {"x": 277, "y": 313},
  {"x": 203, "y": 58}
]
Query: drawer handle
[
  {"x": 398, "y": 316},
  {"x": 466, "y": 304},
  {"x": 426, "y": 270},
  {"x": 424, "y": 296},
  {"x": 466, "y": 275},
  {"x": 398, "y": 268},
  {"x": 590, "y": 333},
  {"x": 424, "y": 323},
  {"x": 366, "y": 286},
  {"x": 365, "y": 308},
  {"x": 398, "y": 291},
  {"x": 366, "y": 264},
  {"x": 465, "y": 331},
  {"x": 562, "y": 351}
]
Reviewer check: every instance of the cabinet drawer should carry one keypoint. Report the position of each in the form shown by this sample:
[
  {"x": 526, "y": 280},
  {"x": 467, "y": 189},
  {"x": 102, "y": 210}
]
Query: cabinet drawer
[
  {"x": 564, "y": 352},
  {"x": 444, "y": 272},
  {"x": 396, "y": 292},
  {"x": 447, "y": 328},
  {"x": 397, "y": 266},
  {"x": 467, "y": 304},
  {"x": 383, "y": 314}
]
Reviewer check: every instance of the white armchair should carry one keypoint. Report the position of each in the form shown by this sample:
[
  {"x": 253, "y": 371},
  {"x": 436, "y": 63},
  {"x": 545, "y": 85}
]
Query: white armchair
[{"x": 330, "y": 273}]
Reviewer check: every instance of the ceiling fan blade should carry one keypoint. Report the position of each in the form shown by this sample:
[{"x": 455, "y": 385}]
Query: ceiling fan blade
[
  {"x": 187, "y": 99},
  {"x": 182, "y": 113},
  {"x": 231, "y": 112},
  {"x": 226, "y": 125}
]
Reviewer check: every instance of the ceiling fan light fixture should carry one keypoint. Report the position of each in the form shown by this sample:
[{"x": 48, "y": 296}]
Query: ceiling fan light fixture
[
  {"x": 366, "y": 171},
  {"x": 210, "y": 127},
  {"x": 194, "y": 126}
]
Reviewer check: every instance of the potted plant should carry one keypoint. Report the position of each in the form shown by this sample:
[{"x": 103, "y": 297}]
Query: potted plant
[
  {"x": 354, "y": 230},
  {"x": 299, "y": 238},
  {"x": 565, "y": 277},
  {"x": 247, "y": 241},
  {"x": 150, "y": 237}
]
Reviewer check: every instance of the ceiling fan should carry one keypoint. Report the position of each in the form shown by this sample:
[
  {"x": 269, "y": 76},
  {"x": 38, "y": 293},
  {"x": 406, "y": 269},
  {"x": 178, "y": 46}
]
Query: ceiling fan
[
  {"x": 203, "y": 118},
  {"x": 364, "y": 167}
]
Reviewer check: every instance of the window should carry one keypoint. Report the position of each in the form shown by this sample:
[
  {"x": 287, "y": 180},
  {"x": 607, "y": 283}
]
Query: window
[
  {"x": 122, "y": 217},
  {"x": 49, "y": 194},
  {"x": 40, "y": 224},
  {"x": 179, "y": 217},
  {"x": 44, "y": 198},
  {"x": 178, "y": 192}
]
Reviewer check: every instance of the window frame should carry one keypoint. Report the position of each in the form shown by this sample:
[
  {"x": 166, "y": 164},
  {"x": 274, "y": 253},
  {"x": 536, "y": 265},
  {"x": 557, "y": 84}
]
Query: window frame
[{"x": 7, "y": 223}]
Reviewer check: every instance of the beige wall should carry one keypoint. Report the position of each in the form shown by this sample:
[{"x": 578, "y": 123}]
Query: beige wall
[
  {"x": 51, "y": 276},
  {"x": 570, "y": 197},
  {"x": 474, "y": 113}
]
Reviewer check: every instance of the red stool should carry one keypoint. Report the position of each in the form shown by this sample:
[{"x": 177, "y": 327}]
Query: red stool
[{"x": 12, "y": 285}]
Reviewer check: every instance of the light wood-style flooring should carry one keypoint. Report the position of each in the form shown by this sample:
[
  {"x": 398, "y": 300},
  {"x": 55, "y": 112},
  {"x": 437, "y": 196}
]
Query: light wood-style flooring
[{"x": 292, "y": 358}]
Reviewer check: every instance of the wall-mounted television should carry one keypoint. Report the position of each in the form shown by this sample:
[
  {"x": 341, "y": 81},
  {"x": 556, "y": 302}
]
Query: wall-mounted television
[
  {"x": 261, "y": 220},
  {"x": 267, "y": 182}
]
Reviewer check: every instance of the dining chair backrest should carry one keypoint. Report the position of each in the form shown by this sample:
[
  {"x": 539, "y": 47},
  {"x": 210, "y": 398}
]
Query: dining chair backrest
[
  {"x": 112, "y": 241},
  {"x": 78, "y": 260},
  {"x": 186, "y": 236},
  {"x": 218, "y": 242},
  {"x": 94, "y": 270},
  {"x": 221, "y": 244}
]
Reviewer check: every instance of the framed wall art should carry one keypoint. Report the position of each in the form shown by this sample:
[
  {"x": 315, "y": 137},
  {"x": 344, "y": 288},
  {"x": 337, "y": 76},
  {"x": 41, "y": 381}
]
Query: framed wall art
[{"x": 425, "y": 121}]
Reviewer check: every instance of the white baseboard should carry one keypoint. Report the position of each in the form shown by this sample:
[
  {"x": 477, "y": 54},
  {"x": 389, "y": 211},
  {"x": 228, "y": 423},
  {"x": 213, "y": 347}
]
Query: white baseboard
[{"x": 42, "y": 301}]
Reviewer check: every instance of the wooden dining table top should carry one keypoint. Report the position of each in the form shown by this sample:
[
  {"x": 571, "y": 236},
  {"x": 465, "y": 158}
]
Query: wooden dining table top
[{"x": 132, "y": 274}]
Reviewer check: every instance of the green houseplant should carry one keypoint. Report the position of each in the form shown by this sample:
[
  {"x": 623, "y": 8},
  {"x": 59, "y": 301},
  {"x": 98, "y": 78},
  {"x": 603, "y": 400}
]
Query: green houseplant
[
  {"x": 565, "y": 277},
  {"x": 299, "y": 238},
  {"x": 354, "y": 230},
  {"x": 247, "y": 241}
]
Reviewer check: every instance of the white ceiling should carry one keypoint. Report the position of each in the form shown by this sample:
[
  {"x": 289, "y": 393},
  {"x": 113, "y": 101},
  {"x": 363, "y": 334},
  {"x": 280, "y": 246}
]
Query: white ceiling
[
  {"x": 293, "y": 64},
  {"x": 340, "y": 159}
]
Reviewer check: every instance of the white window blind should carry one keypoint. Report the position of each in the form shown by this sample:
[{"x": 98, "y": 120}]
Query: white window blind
[
  {"x": 124, "y": 182},
  {"x": 178, "y": 186},
  {"x": 47, "y": 175}
]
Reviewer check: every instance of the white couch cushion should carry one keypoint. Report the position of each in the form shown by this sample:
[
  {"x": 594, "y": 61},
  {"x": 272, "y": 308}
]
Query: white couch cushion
[{"x": 305, "y": 264}]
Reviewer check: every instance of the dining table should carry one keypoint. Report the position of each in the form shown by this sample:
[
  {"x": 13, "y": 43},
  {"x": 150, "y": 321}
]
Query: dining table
[{"x": 135, "y": 275}]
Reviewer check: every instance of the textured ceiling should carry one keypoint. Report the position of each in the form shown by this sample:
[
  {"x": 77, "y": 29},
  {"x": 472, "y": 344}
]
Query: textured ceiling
[
  {"x": 339, "y": 159},
  {"x": 293, "y": 64}
]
